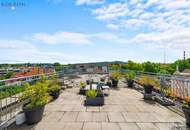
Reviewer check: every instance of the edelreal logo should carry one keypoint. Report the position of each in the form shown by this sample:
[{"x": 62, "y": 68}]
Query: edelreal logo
[{"x": 12, "y": 4}]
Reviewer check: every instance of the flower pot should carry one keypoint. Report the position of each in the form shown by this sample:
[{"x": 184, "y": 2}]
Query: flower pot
[
  {"x": 82, "y": 91},
  {"x": 130, "y": 83},
  {"x": 55, "y": 94},
  {"x": 97, "y": 101},
  {"x": 33, "y": 115},
  {"x": 114, "y": 83},
  {"x": 148, "y": 89},
  {"x": 186, "y": 111},
  {"x": 87, "y": 82},
  {"x": 108, "y": 84}
]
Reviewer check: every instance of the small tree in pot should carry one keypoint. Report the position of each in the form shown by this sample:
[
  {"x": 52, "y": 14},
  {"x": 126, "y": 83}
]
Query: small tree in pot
[
  {"x": 147, "y": 83},
  {"x": 130, "y": 76},
  {"x": 38, "y": 97},
  {"x": 115, "y": 78},
  {"x": 54, "y": 87},
  {"x": 82, "y": 88},
  {"x": 186, "y": 110}
]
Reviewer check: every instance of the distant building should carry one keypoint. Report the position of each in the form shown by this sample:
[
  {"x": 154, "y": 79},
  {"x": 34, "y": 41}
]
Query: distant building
[
  {"x": 87, "y": 68},
  {"x": 28, "y": 72}
]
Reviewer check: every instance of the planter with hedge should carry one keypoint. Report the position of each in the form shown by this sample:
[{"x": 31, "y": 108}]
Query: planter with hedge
[
  {"x": 94, "y": 98},
  {"x": 54, "y": 87},
  {"x": 147, "y": 82},
  {"x": 82, "y": 88},
  {"x": 130, "y": 76},
  {"x": 38, "y": 97},
  {"x": 115, "y": 79}
]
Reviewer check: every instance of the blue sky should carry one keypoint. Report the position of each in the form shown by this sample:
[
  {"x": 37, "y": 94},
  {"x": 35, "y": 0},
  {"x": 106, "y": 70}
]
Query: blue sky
[{"x": 73, "y": 31}]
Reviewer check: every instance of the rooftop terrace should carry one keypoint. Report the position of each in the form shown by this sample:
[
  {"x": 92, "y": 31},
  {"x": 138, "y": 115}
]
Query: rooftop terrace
[{"x": 124, "y": 109}]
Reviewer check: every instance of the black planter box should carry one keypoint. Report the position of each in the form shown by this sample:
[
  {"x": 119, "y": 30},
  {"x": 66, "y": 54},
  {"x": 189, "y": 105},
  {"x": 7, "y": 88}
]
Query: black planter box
[
  {"x": 97, "y": 101},
  {"x": 148, "y": 89},
  {"x": 108, "y": 84},
  {"x": 164, "y": 101},
  {"x": 130, "y": 83},
  {"x": 33, "y": 115},
  {"x": 114, "y": 83},
  {"x": 187, "y": 115},
  {"x": 82, "y": 91}
]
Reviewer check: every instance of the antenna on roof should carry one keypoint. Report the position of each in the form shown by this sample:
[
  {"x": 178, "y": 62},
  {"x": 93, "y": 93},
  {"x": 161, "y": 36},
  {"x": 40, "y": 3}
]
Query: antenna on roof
[{"x": 184, "y": 55}]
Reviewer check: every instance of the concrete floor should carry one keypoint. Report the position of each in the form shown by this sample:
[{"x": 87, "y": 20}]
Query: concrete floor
[{"x": 124, "y": 109}]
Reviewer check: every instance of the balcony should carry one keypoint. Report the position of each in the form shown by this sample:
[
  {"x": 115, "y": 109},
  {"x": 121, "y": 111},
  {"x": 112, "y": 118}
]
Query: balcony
[{"x": 124, "y": 109}]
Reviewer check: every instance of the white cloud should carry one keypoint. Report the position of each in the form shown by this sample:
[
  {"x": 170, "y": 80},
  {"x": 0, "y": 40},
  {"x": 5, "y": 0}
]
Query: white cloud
[
  {"x": 16, "y": 45},
  {"x": 77, "y": 38},
  {"x": 111, "y": 11},
  {"x": 175, "y": 4},
  {"x": 163, "y": 15},
  {"x": 146, "y": 16},
  {"x": 89, "y": 2},
  {"x": 112, "y": 26},
  {"x": 63, "y": 38},
  {"x": 133, "y": 2},
  {"x": 151, "y": 3},
  {"x": 19, "y": 51},
  {"x": 168, "y": 39},
  {"x": 136, "y": 22}
]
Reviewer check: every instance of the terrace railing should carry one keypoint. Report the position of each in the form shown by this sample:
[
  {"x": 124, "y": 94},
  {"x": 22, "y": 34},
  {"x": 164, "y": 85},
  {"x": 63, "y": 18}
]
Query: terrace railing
[
  {"x": 9, "y": 105},
  {"x": 174, "y": 87}
]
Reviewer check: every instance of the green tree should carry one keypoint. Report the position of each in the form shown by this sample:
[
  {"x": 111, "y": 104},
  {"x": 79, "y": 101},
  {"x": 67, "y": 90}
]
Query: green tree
[{"x": 58, "y": 66}]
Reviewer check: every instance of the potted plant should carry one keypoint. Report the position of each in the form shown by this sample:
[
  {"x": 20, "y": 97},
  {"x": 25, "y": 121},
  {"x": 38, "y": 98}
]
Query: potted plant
[
  {"x": 186, "y": 110},
  {"x": 115, "y": 78},
  {"x": 94, "y": 98},
  {"x": 38, "y": 97},
  {"x": 130, "y": 76},
  {"x": 147, "y": 83},
  {"x": 54, "y": 88},
  {"x": 82, "y": 88}
]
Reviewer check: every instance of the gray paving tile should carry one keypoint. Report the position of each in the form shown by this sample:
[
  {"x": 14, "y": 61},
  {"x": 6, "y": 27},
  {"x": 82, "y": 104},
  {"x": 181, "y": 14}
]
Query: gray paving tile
[
  {"x": 129, "y": 126},
  {"x": 92, "y": 126},
  {"x": 69, "y": 117},
  {"x": 100, "y": 117},
  {"x": 84, "y": 116},
  {"x": 110, "y": 126},
  {"x": 73, "y": 126},
  {"x": 115, "y": 117},
  {"x": 131, "y": 117},
  {"x": 94, "y": 108},
  {"x": 147, "y": 126},
  {"x": 53, "y": 117}
]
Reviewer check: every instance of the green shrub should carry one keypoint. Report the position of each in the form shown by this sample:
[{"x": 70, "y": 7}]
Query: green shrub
[
  {"x": 37, "y": 93},
  {"x": 147, "y": 80},
  {"x": 91, "y": 93},
  {"x": 130, "y": 75},
  {"x": 82, "y": 84},
  {"x": 115, "y": 75},
  {"x": 54, "y": 85}
]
